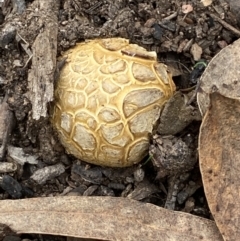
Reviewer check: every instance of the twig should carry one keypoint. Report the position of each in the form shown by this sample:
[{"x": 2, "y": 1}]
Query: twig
[
  {"x": 174, "y": 61},
  {"x": 225, "y": 25},
  {"x": 170, "y": 17}
]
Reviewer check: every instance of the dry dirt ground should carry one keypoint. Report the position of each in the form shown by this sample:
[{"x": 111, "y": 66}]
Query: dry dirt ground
[{"x": 185, "y": 35}]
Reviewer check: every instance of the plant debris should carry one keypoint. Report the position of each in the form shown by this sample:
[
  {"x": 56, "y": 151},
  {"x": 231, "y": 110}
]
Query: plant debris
[{"x": 34, "y": 33}]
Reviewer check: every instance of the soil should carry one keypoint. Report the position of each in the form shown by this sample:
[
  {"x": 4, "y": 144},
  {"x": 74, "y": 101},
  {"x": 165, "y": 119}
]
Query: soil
[{"x": 185, "y": 34}]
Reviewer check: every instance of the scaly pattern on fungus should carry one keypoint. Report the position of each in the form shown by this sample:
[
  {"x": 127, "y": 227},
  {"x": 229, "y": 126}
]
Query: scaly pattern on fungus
[{"x": 107, "y": 100}]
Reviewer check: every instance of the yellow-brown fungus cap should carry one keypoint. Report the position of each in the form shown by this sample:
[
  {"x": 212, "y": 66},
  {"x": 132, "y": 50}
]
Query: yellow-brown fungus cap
[{"x": 107, "y": 100}]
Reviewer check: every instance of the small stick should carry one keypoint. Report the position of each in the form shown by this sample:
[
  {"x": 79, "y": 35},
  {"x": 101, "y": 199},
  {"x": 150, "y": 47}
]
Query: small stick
[{"x": 225, "y": 25}]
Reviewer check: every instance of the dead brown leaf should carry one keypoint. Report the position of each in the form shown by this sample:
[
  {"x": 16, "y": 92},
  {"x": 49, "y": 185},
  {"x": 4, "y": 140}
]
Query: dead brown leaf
[
  {"x": 219, "y": 155},
  {"x": 105, "y": 218},
  {"x": 221, "y": 75}
]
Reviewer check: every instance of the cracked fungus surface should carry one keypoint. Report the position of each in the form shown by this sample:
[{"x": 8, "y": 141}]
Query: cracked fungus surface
[{"x": 108, "y": 99}]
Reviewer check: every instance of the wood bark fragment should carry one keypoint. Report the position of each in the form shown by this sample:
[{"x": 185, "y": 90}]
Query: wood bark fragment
[
  {"x": 41, "y": 74},
  {"x": 6, "y": 126}
]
